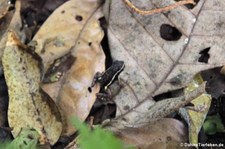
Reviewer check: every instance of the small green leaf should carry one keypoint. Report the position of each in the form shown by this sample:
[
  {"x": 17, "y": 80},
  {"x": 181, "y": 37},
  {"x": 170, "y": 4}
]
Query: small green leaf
[
  {"x": 27, "y": 139},
  {"x": 213, "y": 125},
  {"x": 96, "y": 139}
]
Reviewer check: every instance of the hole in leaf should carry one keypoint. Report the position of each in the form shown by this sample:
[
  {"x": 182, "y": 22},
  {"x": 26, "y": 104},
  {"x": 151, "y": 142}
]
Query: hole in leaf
[
  {"x": 30, "y": 137},
  {"x": 190, "y": 105},
  {"x": 204, "y": 58},
  {"x": 24, "y": 142},
  {"x": 89, "y": 89},
  {"x": 169, "y": 32},
  {"x": 190, "y": 6},
  {"x": 168, "y": 138},
  {"x": 126, "y": 107},
  {"x": 79, "y": 18},
  {"x": 170, "y": 94}
]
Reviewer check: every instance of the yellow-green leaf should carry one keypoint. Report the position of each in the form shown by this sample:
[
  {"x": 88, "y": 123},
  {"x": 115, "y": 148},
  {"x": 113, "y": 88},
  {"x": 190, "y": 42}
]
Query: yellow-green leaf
[{"x": 196, "y": 115}]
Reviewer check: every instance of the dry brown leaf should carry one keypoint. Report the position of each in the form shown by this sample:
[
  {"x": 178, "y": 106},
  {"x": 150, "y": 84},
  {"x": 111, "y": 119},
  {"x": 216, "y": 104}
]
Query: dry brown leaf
[
  {"x": 160, "y": 134},
  {"x": 62, "y": 29},
  {"x": 155, "y": 65},
  {"x": 4, "y": 7},
  {"x": 11, "y": 21},
  {"x": 29, "y": 107},
  {"x": 77, "y": 32}
]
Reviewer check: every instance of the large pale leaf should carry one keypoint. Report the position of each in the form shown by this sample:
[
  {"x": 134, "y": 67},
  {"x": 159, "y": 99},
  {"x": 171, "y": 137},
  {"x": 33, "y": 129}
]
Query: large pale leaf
[
  {"x": 28, "y": 107},
  {"x": 165, "y": 133},
  {"x": 155, "y": 65},
  {"x": 77, "y": 33}
]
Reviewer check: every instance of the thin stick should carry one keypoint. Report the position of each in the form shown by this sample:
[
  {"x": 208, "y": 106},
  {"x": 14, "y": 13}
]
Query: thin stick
[{"x": 149, "y": 12}]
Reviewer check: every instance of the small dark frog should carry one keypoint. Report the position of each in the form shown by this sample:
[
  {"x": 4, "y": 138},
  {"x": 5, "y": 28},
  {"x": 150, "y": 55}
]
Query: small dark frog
[{"x": 106, "y": 78}]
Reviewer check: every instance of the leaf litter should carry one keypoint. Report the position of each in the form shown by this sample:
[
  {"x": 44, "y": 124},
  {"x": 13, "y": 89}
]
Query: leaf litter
[{"x": 162, "y": 53}]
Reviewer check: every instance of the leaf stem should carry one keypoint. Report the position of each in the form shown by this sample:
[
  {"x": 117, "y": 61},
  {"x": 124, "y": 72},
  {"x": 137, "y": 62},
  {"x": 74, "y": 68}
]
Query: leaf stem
[{"x": 149, "y": 12}]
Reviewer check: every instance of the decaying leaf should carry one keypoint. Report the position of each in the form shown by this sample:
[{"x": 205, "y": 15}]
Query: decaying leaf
[
  {"x": 4, "y": 6},
  {"x": 11, "y": 21},
  {"x": 5, "y": 16},
  {"x": 163, "y": 51},
  {"x": 195, "y": 116},
  {"x": 29, "y": 107},
  {"x": 165, "y": 133},
  {"x": 55, "y": 40},
  {"x": 78, "y": 34}
]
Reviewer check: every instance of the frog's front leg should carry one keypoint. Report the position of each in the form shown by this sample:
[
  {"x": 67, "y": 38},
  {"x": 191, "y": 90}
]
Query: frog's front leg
[{"x": 97, "y": 79}]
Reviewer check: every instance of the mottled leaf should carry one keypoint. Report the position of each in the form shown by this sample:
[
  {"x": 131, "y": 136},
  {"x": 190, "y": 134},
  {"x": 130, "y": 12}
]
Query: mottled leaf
[
  {"x": 11, "y": 21},
  {"x": 4, "y": 6},
  {"x": 29, "y": 107},
  {"x": 155, "y": 62},
  {"x": 76, "y": 35}
]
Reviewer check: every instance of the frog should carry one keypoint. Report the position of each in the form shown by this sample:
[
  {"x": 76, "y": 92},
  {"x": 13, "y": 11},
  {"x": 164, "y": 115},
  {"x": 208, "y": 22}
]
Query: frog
[{"x": 105, "y": 79}]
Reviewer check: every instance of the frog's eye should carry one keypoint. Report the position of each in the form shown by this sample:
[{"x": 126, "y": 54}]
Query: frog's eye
[{"x": 99, "y": 78}]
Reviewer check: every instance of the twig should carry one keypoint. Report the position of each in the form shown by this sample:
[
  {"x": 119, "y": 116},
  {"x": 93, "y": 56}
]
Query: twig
[{"x": 149, "y": 12}]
